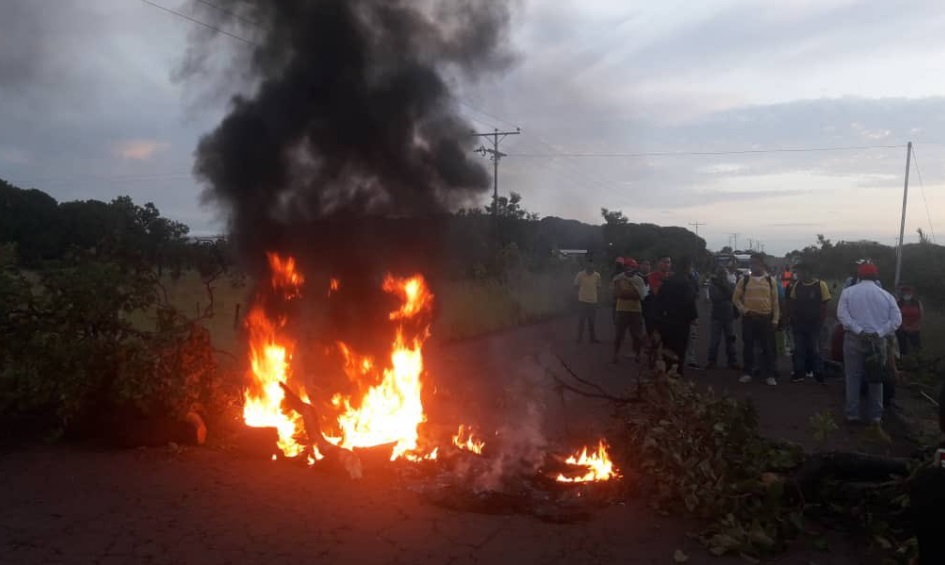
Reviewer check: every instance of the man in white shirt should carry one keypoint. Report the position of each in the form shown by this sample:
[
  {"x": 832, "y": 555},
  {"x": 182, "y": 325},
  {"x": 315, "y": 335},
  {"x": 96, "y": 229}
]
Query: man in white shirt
[{"x": 869, "y": 314}]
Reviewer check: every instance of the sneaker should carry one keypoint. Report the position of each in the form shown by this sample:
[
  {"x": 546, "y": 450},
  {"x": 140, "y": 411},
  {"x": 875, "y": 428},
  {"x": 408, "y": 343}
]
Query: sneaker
[
  {"x": 695, "y": 366},
  {"x": 745, "y": 379},
  {"x": 810, "y": 374},
  {"x": 771, "y": 381},
  {"x": 797, "y": 379}
]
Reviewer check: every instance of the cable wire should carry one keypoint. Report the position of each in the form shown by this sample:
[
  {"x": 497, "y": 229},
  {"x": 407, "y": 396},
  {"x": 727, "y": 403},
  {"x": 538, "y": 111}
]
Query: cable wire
[
  {"x": 708, "y": 153},
  {"x": 928, "y": 213},
  {"x": 198, "y": 22}
]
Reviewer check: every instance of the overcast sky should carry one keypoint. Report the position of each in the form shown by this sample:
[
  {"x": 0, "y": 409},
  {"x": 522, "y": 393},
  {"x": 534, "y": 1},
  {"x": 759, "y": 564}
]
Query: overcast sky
[{"x": 88, "y": 109}]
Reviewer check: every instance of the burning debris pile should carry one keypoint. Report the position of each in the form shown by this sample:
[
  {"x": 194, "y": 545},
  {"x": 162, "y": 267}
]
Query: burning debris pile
[
  {"x": 332, "y": 173},
  {"x": 387, "y": 413}
]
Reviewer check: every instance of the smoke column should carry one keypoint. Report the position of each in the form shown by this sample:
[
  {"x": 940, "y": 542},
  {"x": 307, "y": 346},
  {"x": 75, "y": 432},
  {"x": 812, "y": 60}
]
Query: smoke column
[
  {"x": 352, "y": 117},
  {"x": 349, "y": 149}
]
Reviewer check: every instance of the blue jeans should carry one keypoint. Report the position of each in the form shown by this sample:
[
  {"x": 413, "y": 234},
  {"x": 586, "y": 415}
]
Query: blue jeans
[
  {"x": 854, "y": 356},
  {"x": 807, "y": 356},
  {"x": 718, "y": 330}
]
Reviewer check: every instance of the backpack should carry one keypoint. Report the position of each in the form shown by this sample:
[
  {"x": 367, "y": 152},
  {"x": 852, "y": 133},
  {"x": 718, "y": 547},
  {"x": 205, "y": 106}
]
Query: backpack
[
  {"x": 789, "y": 294},
  {"x": 745, "y": 278}
]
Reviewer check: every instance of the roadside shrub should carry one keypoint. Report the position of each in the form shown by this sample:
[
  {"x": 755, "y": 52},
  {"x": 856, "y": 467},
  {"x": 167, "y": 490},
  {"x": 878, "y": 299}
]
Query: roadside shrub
[{"x": 74, "y": 360}]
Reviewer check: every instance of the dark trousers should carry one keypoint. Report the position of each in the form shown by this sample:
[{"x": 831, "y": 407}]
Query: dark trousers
[
  {"x": 758, "y": 331},
  {"x": 908, "y": 341},
  {"x": 632, "y": 323},
  {"x": 807, "y": 354},
  {"x": 587, "y": 312},
  {"x": 719, "y": 330},
  {"x": 675, "y": 336}
]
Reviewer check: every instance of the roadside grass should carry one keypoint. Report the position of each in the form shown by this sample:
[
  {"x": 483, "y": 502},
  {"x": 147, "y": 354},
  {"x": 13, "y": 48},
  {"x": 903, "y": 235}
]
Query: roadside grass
[{"x": 464, "y": 309}]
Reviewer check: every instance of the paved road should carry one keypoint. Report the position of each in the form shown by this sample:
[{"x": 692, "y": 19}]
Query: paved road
[{"x": 70, "y": 505}]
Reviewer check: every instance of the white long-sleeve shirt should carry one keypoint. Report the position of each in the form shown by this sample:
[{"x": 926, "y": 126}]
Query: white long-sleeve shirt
[{"x": 865, "y": 307}]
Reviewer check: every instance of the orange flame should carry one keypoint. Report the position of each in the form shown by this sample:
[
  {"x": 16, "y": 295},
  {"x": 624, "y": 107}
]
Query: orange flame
[
  {"x": 285, "y": 276},
  {"x": 470, "y": 443},
  {"x": 389, "y": 412},
  {"x": 270, "y": 355},
  {"x": 392, "y": 410},
  {"x": 598, "y": 464},
  {"x": 333, "y": 285}
]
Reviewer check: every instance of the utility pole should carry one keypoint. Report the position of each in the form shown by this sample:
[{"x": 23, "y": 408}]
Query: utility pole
[
  {"x": 734, "y": 238},
  {"x": 751, "y": 245},
  {"x": 902, "y": 224},
  {"x": 496, "y": 156},
  {"x": 696, "y": 225}
]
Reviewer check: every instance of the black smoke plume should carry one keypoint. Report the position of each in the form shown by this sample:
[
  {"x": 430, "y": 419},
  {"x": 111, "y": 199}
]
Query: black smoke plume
[{"x": 349, "y": 150}]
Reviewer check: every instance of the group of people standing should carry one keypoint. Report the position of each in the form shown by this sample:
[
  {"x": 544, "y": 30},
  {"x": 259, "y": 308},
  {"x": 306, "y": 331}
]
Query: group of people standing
[
  {"x": 659, "y": 306},
  {"x": 648, "y": 304}
]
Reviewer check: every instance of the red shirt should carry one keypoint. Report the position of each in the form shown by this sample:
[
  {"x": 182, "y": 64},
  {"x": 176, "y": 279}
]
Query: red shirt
[
  {"x": 911, "y": 315},
  {"x": 655, "y": 280}
]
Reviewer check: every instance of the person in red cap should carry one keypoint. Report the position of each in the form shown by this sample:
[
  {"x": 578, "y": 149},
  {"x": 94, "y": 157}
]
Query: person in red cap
[
  {"x": 629, "y": 290},
  {"x": 869, "y": 316}
]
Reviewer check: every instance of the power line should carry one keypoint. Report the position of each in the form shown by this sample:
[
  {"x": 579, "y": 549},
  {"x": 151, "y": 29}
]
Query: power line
[
  {"x": 102, "y": 178},
  {"x": 230, "y": 13},
  {"x": 709, "y": 153},
  {"x": 915, "y": 161},
  {"x": 201, "y": 23}
]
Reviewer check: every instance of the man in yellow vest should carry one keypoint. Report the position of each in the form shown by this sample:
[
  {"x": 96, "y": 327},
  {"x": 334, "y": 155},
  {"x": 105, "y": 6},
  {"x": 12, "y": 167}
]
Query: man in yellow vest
[{"x": 756, "y": 297}]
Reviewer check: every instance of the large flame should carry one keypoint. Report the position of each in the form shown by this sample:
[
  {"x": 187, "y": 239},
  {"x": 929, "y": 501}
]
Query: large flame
[
  {"x": 389, "y": 411},
  {"x": 598, "y": 464},
  {"x": 270, "y": 355}
]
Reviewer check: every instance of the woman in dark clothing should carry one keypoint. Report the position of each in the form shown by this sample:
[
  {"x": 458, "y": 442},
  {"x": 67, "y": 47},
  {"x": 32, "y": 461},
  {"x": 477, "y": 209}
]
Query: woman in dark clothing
[
  {"x": 722, "y": 318},
  {"x": 676, "y": 309}
]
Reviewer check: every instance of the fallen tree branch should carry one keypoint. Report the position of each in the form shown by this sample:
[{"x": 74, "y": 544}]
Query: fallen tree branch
[{"x": 561, "y": 385}]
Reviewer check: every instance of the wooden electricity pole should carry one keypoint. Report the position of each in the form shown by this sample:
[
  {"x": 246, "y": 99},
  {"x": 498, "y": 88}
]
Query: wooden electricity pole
[{"x": 495, "y": 137}]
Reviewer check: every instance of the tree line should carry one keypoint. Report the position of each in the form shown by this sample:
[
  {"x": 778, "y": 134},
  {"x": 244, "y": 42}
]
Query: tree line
[{"x": 923, "y": 263}]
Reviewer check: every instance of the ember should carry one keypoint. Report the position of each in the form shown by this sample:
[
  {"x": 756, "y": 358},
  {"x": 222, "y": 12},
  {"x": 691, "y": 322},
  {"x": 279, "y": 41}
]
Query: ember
[
  {"x": 598, "y": 464},
  {"x": 464, "y": 439}
]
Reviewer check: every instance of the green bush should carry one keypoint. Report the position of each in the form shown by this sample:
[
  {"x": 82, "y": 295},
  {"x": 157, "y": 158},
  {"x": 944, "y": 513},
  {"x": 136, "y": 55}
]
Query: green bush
[{"x": 72, "y": 356}]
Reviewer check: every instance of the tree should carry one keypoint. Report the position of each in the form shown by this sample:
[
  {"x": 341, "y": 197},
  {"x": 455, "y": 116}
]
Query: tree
[
  {"x": 613, "y": 218},
  {"x": 511, "y": 208}
]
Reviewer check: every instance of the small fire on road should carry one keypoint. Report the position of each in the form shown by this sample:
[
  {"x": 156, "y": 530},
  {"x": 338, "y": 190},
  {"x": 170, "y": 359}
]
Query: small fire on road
[{"x": 597, "y": 463}]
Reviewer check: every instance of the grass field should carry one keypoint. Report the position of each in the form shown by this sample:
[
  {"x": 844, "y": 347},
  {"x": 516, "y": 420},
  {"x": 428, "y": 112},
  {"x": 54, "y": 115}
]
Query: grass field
[{"x": 464, "y": 308}]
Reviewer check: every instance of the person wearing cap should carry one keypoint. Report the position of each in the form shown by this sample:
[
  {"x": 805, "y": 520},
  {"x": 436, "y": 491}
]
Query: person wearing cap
[
  {"x": 630, "y": 290},
  {"x": 869, "y": 316},
  {"x": 587, "y": 283}
]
